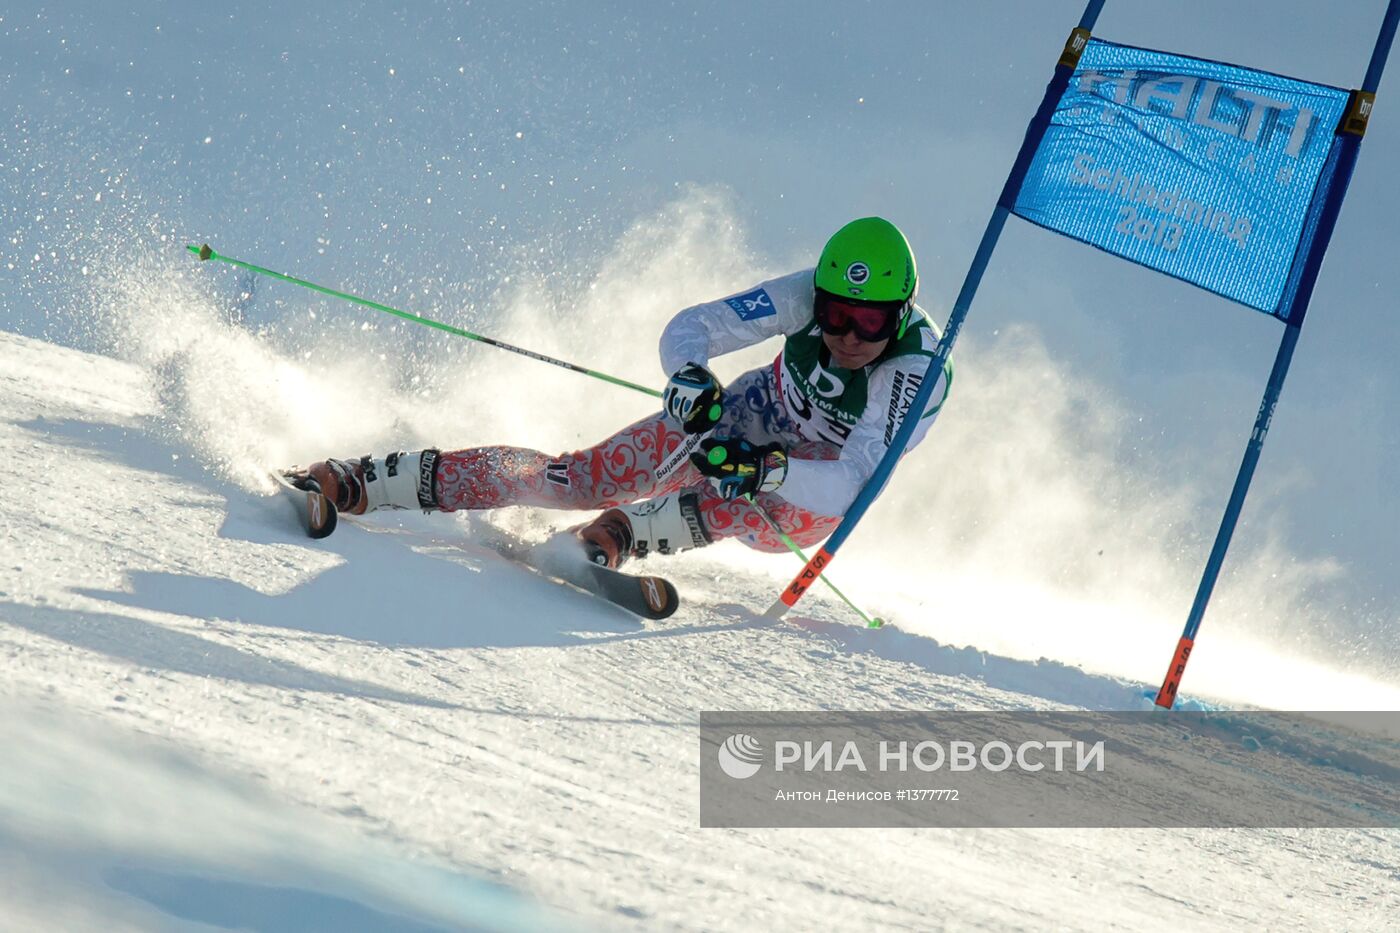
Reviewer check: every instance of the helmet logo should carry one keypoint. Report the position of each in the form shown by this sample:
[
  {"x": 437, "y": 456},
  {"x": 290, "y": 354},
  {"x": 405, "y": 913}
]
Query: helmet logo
[{"x": 857, "y": 273}]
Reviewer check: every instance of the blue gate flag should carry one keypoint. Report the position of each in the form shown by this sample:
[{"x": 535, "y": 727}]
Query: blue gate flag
[{"x": 1199, "y": 169}]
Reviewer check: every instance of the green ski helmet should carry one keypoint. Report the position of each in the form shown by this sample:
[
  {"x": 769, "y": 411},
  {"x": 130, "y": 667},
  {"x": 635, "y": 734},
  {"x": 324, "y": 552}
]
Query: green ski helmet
[{"x": 869, "y": 260}]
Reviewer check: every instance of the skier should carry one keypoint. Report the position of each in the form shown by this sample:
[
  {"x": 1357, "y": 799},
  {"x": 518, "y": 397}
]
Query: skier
[{"x": 799, "y": 437}]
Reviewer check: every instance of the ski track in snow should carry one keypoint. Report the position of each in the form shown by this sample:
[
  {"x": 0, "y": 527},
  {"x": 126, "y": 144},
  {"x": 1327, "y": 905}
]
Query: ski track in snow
[{"x": 391, "y": 727}]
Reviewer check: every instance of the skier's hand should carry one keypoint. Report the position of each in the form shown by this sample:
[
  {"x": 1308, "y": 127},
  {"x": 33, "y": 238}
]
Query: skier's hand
[
  {"x": 694, "y": 398},
  {"x": 737, "y": 468}
]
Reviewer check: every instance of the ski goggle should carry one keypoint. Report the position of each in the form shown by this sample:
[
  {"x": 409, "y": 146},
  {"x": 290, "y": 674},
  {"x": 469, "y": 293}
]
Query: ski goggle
[{"x": 871, "y": 320}]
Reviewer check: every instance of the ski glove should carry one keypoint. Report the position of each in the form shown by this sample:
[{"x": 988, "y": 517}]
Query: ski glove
[
  {"x": 737, "y": 468},
  {"x": 694, "y": 399}
]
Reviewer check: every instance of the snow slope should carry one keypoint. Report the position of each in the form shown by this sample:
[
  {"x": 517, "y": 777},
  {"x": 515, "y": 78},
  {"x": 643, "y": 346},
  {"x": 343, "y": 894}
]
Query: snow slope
[{"x": 210, "y": 720}]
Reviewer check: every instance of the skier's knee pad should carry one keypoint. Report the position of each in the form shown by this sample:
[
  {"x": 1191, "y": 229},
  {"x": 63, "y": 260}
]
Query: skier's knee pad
[
  {"x": 401, "y": 480},
  {"x": 667, "y": 524}
]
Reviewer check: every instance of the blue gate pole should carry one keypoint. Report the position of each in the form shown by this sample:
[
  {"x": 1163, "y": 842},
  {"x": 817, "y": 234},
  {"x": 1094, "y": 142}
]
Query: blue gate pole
[
  {"x": 1035, "y": 131},
  {"x": 1348, "y": 145}
]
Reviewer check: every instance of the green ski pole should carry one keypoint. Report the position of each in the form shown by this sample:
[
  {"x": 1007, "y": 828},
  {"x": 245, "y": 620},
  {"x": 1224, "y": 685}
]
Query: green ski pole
[
  {"x": 205, "y": 253},
  {"x": 794, "y": 547}
]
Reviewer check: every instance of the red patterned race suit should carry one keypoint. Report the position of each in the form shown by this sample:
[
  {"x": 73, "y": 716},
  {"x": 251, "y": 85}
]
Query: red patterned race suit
[{"x": 643, "y": 461}]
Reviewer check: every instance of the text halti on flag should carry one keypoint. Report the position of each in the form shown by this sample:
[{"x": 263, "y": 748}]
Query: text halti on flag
[{"x": 1198, "y": 169}]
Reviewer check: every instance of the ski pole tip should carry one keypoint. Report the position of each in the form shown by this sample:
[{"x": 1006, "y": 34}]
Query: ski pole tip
[{"x": 203, "y": 252}]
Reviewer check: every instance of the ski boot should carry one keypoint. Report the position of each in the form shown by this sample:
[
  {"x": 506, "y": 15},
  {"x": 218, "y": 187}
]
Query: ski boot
[
  {"x": 665, "y": 525},
  {"x": 399, "y": 481},
  {"x": 607, "y": 540}
]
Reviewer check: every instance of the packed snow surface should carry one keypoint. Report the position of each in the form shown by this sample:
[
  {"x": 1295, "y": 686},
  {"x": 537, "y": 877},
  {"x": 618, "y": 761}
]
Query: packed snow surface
[{"x": 210, "y": 720}]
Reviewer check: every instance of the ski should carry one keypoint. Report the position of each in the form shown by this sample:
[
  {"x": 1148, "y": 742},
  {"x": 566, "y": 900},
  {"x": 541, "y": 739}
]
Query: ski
[
  {"x": 647, "y": 595},
  {"x": 650, "y": 597},
  {"x": 316, "y": 513}
]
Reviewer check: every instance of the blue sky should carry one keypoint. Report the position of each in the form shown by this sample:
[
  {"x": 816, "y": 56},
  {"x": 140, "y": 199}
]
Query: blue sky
[{"x": 438, "y": 149}]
